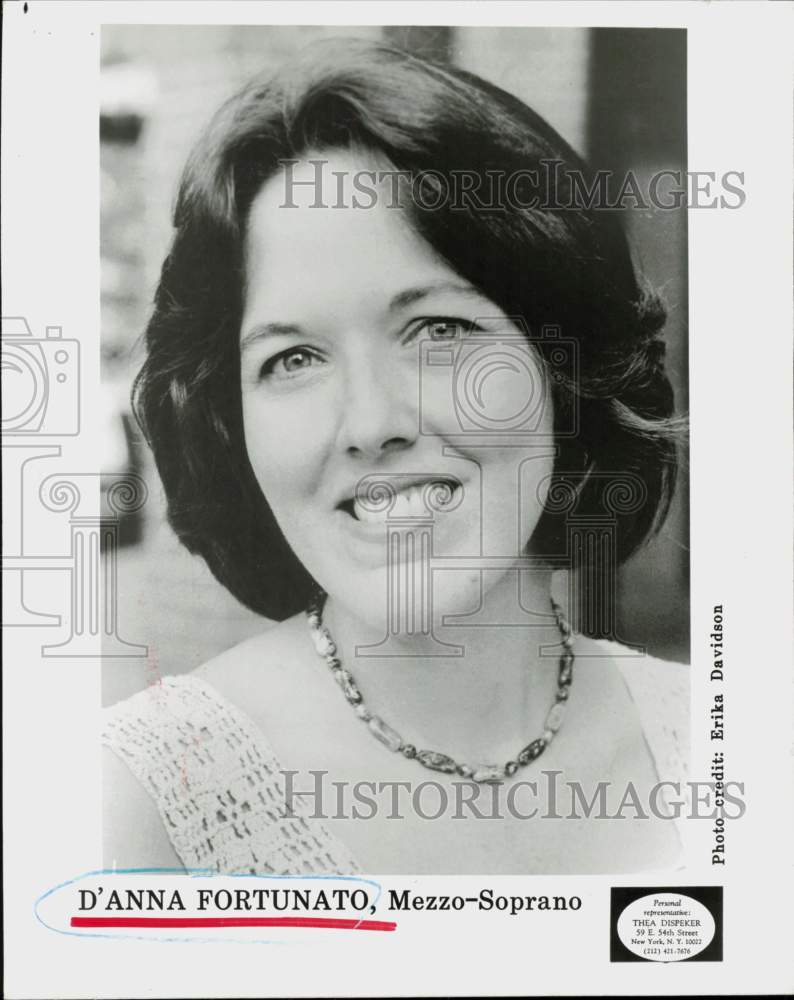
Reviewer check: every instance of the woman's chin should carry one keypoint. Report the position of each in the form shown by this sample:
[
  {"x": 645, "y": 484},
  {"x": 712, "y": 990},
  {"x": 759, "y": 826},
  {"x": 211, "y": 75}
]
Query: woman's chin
[
  {"x": 404, "y": 602},
  {"x": 387, "y": 580}
]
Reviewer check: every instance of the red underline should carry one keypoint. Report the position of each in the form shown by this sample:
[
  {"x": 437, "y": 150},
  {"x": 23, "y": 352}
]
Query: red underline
[{"x": 328, "y": 923}]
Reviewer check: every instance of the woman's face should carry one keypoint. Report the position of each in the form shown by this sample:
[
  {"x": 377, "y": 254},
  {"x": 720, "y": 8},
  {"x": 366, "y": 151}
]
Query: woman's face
[{"x": 365, "y": 357}]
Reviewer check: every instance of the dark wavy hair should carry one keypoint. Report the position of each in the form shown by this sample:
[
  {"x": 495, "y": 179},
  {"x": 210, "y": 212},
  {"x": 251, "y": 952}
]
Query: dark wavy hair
[{"x": 557, "y": 264}]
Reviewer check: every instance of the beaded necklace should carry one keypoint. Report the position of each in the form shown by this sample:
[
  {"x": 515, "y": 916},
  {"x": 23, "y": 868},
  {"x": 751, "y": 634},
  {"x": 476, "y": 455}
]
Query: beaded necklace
[{"x": 433, "y": 759}]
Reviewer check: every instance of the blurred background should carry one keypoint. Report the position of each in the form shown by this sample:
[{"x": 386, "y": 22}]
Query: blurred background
[{"x": 617, "y": 95}]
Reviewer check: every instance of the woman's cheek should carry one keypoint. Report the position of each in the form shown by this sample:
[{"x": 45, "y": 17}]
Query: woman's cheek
[
  {"x": 284, "y": 451},
  {"x": 536, "y": 473},
  {"x": 268, "y": 451}
]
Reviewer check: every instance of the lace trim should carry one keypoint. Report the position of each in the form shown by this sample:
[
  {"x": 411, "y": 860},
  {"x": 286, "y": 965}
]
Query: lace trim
[{"x": 217, "y": 784}]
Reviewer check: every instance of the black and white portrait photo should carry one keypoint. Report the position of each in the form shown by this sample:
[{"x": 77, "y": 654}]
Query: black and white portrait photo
[
  {"x": 397, "y": 489},
  {"x": 409, "y": 372}
]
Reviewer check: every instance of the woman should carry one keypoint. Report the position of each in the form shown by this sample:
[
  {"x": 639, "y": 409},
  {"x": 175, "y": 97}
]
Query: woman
[{"x": 389, "y": 355}]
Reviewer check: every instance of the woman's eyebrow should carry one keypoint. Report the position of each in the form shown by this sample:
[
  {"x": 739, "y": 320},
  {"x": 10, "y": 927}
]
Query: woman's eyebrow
[
  {"x": 263, "y": 330},
  {"x": 411, "y": 295},
  {"x": 399, "y": 301}
]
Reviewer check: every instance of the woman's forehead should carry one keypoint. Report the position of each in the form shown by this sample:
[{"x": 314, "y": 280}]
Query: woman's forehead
[
  {"x": 337, "y": 177},
  {"x": 313, "y": 241}
]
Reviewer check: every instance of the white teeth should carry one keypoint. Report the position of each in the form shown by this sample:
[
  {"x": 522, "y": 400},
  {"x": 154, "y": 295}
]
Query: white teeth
[
  {"x": 409, "y": 502},
  {"x": 367, "y": 515}
]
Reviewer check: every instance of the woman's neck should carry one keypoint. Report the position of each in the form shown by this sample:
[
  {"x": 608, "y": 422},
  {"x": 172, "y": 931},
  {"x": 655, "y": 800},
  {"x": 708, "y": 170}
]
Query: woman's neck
[{"x": 481, "y": 706}]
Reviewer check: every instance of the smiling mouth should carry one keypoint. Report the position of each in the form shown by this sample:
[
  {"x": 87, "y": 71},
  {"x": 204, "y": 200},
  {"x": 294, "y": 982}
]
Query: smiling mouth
[{"x": 416, "y": 499}]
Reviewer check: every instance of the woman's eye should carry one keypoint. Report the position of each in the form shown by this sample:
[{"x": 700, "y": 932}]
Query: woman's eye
[
  {"x": 444, "y": 328},
  {"x": 288, "y": 363}
]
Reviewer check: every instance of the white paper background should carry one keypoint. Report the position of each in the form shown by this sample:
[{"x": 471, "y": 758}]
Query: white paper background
[{"x": 740, "y": 112}]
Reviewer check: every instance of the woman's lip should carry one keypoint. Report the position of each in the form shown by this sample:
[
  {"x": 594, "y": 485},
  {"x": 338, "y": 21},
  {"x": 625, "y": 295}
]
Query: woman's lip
[
  {"x": 370, "y": 530},
  {"x": 375, "y": 530},
  {"x": 399, "y": 483}
]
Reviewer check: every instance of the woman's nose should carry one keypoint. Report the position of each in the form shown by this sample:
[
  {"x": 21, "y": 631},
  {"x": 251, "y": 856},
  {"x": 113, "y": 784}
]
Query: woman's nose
[{"x": 378, "y": 415}]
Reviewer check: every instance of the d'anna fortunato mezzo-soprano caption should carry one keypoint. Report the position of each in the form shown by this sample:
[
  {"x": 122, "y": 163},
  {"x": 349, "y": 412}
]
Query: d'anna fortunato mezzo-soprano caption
[{"x": 312, "y": 900}]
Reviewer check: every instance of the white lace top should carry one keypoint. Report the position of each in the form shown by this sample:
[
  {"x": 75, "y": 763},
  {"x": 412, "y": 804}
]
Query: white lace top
[{"x": 217, "y": 783}]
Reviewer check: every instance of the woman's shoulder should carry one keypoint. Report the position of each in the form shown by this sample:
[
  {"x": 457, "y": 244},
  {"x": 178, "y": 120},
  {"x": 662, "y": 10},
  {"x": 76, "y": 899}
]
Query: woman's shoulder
[
  {"x": 260, "y": 669},
  {"x": 660, "y": 691},
  {"x": 248, "y": 681},
  {"x": 650, "y": 678},
  {"x": 262, "y": 659},
  {"x": 244, "y": 690}
]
